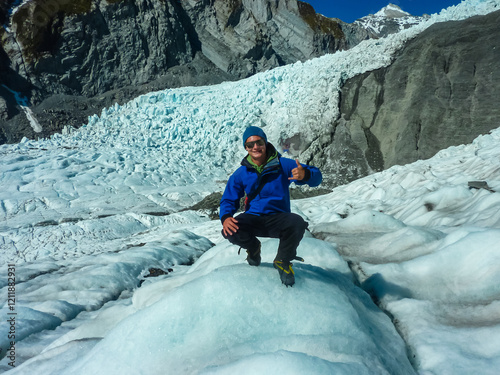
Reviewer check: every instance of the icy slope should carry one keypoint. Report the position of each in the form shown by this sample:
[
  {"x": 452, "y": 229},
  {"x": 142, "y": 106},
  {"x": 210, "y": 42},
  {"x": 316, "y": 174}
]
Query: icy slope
[
  {"x": 223, "y": 316},
  {"x": 419, "y": 240},
  {"x": 425, "y": 246}
]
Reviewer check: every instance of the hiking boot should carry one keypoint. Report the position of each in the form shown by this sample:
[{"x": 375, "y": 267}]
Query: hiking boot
[
  {"x": 285, "y": 270},
  {"x": 253, "y": 257}
]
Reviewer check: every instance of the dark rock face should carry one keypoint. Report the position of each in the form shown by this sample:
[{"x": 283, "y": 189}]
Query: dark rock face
[
  {"x": 243, "y": 37},
  {"x": 71, "y": 58},
  {"x": 441, "y": 91},
  {"x": 88, "y": 48}
]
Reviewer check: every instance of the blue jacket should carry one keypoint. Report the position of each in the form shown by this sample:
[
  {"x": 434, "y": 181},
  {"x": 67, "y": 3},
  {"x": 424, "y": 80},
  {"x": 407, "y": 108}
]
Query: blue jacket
[{"x": 274, "y": 196}]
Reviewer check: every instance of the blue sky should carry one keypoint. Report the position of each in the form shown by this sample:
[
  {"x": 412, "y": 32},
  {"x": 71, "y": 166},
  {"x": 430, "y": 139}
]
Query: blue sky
[{"x": 349, "y": 11}]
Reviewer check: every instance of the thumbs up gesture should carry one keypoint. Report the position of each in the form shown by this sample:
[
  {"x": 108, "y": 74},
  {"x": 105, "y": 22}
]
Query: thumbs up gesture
[{"x": 298, "y": 173}]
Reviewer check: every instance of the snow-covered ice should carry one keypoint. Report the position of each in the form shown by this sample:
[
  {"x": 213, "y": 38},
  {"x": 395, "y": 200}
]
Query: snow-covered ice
[{"x": 402, "y": 270}]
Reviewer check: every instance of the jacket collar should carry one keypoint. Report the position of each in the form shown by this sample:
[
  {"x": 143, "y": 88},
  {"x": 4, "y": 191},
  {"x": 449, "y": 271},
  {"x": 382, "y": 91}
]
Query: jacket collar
[{"x": 273, "y": 157}]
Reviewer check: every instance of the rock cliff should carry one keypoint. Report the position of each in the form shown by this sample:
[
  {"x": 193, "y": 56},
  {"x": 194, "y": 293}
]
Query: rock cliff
[{"x": 440, "y": 91}]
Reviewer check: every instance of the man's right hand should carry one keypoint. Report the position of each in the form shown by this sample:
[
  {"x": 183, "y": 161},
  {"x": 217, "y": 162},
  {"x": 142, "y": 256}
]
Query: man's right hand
[{"x": 230, "y": 226}]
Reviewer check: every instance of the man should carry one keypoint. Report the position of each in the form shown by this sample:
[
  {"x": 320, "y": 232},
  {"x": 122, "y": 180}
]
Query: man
[{"x": 265, "y": 177}]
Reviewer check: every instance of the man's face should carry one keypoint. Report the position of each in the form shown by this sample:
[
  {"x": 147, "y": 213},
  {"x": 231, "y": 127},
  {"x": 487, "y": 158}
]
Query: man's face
[{"x": 257, "y": 151}]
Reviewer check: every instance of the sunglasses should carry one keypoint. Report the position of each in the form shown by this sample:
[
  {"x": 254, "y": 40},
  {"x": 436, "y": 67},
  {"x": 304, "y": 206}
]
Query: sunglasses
[{"x": 260, "y": 142}]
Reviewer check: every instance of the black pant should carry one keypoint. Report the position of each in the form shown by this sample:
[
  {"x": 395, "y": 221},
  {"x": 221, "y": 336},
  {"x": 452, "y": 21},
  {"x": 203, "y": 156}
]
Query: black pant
[{"x": 288, "y": 227}]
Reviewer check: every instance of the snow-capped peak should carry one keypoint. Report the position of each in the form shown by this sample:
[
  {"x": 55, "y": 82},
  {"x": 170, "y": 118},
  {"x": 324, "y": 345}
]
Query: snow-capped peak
[
  {"x": 392, "y": 11},
  {"x": 388, "y": 20}
]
